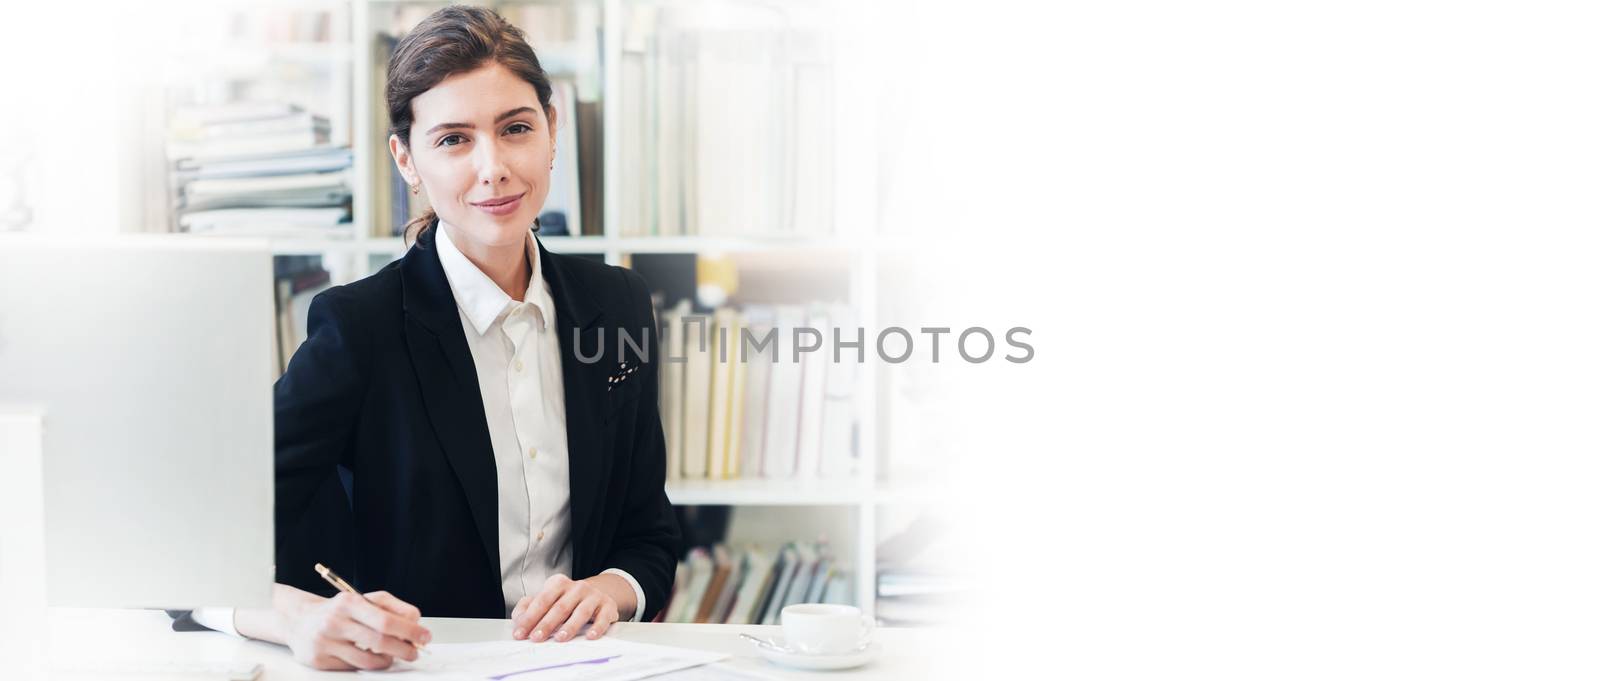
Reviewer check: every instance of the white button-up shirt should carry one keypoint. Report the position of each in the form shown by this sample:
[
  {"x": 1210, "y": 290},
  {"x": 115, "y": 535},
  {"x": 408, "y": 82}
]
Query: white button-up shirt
[{"x": 517, "y": 352}]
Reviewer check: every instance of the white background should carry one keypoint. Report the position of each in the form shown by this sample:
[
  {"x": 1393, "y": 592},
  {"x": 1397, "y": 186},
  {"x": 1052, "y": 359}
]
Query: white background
[{"x": 1315, "y": 290}]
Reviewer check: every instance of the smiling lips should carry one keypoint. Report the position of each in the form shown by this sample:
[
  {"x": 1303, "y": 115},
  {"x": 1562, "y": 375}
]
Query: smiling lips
[{"x": 504, "y": 205}]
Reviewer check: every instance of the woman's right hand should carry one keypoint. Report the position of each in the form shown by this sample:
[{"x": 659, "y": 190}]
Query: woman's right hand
[{"x": 340, "y": 633}]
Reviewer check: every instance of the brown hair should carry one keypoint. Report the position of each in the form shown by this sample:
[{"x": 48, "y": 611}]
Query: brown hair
[{"x": 454, "y": 40}]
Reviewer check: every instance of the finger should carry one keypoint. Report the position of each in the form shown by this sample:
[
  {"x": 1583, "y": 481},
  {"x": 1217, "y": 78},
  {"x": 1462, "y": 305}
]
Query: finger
[
  {"x": 380, "y": 620},
  {"x": 540, "y": 606},
  {"x": 367, "y": 639},
  {"x": 405, "y": 611},
  {"x": 559, "y": 612},
  {"x": 580, "y": 616},
  {"x": 553, "y": 589},
  {"x": 603, "y": 620},
  {"x": 360, "y": 659},
  {"x": 330, "y": 663},
  {"x": 522, "y": 604},
  {"x": 535, "y": 611},
  {"x": 389, "y": 602}
]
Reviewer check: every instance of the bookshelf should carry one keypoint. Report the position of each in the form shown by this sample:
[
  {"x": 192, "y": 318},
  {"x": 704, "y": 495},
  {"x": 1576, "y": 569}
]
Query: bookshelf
[{"x": 596, "y": 64}]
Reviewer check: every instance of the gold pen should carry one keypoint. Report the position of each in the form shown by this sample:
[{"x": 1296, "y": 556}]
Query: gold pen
[{"x": 338, "y": 583}]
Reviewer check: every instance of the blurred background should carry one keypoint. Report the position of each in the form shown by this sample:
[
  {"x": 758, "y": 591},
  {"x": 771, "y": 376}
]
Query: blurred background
[{"x": 756, "y": 161}]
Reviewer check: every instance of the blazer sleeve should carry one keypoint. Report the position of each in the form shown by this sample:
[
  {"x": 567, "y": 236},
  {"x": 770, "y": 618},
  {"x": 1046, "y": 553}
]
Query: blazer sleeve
[
  {"x": 316, "y": 403},
  {"x": 647, "y": 539}
]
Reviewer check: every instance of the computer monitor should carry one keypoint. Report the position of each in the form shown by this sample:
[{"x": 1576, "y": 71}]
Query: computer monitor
[{"x": 150, "y": 359}]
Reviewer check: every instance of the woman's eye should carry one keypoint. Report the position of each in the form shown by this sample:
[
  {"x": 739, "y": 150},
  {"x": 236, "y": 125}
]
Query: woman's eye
[
  {"x": 517, "y": 128},
  {"x": 446, "y": 140}
]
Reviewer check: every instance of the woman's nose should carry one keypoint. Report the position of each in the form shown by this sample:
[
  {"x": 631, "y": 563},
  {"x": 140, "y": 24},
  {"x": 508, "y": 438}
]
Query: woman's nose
[{"x": 491, "y": 170}]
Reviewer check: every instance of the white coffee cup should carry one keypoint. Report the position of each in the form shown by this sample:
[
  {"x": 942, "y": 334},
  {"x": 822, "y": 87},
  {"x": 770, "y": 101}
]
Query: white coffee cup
[{"x": 824, "y": 628}]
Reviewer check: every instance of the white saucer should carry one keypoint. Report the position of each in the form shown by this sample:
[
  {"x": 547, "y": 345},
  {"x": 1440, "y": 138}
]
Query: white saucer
[{"x": 799, "y": 660}]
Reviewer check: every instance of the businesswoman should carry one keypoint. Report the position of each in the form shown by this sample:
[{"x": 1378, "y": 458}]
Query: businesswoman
[{"x": 461, "y": 430}]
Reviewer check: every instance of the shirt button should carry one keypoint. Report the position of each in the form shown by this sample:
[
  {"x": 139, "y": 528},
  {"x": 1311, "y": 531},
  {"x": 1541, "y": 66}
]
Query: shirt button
[
  {"x": 518, "y": 365},
  {"x": 541, "y": 535},
  {"x": 533, "y": 452}
]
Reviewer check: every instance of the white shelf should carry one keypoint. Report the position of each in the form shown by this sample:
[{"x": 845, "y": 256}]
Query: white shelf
[
  {"x": 733, "y": 244},
  {"x": 666, "y": 244},
  {"x": 907, "y": 495},
  {"x": 312, "y": 246},
  {"x": 769, "y": 492},
  {"x": 395, "y": 246}
]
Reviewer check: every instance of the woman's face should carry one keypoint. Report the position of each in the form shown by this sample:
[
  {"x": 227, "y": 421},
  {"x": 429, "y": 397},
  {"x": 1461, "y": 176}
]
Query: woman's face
[{"x": 482, "y": 147}]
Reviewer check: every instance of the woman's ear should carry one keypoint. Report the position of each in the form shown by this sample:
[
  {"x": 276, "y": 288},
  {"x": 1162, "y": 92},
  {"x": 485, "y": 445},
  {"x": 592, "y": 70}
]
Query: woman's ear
[{"x": 402, "y": 160}]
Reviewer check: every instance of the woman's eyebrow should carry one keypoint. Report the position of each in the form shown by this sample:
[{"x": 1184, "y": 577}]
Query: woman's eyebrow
[{"x": 469, "y": 126}]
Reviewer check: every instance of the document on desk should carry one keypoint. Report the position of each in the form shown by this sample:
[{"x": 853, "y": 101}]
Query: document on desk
[{"x": 602, "y": 660}]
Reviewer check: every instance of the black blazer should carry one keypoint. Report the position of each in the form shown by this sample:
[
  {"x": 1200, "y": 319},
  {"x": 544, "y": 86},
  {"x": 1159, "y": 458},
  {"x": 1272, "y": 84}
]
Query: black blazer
[{"x": 384, "y": 467}]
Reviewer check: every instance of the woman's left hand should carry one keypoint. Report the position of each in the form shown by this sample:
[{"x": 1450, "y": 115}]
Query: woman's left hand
[{"x": 564, "y": 606}]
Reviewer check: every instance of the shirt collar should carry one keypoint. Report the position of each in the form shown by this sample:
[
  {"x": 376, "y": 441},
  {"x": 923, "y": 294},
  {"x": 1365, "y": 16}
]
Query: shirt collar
[{"x": 479, "y": 298}]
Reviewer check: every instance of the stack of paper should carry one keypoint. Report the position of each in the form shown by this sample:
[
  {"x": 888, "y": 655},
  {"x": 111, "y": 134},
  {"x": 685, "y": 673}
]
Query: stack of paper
[
  {"x": 259, "y": 168},
  {"x": 610, "y": 659}
]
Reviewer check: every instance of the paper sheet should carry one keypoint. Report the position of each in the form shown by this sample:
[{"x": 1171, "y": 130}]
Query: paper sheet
[
  {"x": 605, "y": 659},
  {"x": 712, "y": 672}
]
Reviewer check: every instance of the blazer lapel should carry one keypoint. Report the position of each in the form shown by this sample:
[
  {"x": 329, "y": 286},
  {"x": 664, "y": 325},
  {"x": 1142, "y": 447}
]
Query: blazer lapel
[
  {"x": 578, "y": 322},
  {"x": 449, "y": 383}
]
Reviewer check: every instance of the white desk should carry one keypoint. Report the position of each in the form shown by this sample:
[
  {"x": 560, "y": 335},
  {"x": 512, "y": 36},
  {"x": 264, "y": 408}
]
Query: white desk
[{"x": 147, "y": 634}]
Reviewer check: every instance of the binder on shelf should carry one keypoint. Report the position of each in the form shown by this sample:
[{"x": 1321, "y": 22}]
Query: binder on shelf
[
  {"x": 672, "y": 387},
  {"x": 389, "y": 190},
  {"x": 632, "y": 142},
  {"x": 697, "y": 397},
  {"x": 788, "y": 566},
  {"x": 736, "y": 400},
  {"x": 721, "y": 392},
  {"x": 757, "y": 370},
  {"x": 591, "y": 171},
  {"x": 783, "y": 399},
  {"x": 838, "y": 590},
  {"x": 805, "y": 569},
  {"x": 813, "y": 368},
  {"x": 757, "y": 581},
  {"x": 839, "y": 406},
  {"x": 701, "y": 570},
  {"x": 562, "y": 211},
  {"x": 285, "y": 325},
  {"x": 679, "y": 600},
  {"x": 722, "y": 567},
  {"x": 730, "y": 590},
  {"x": 820, "y": 576}
]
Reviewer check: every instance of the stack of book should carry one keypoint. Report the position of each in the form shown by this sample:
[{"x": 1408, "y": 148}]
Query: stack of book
[
  {"x": 919, "y": 598},
  {"x": 719, "y": 585},
  {"x": 298, "y": 279},
  {"x": 725, "y": 123},
  {"x": 261, "y": 168},
  {"x": 731, "y": 409},
  {"x": 920, "y": 580}
]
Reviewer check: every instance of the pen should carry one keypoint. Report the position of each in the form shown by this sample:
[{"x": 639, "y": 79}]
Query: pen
[{"x": 338, "y": 583}]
